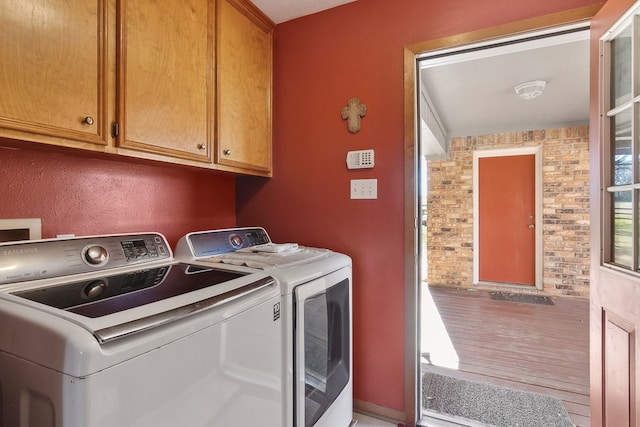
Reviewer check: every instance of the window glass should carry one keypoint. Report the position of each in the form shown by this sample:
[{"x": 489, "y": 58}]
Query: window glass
[
  {"x": 620, "y": 117},
  {"x": 622, "y": 228},
  {"x": 637, "y": 241},
  {"x": 621, "y": 48},
  {"x": 622, "y": 166}
]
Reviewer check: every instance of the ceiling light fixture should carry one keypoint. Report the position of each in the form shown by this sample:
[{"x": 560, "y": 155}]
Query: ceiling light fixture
[{"x": 530, "y": 90}]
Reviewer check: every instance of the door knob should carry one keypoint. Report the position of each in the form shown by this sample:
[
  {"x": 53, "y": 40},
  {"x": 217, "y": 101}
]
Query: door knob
[{"x": 532, "y": 226}]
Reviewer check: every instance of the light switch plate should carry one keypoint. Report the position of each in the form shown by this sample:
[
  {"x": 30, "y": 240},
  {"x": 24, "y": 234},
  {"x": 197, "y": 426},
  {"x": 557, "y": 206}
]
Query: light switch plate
[{"x": 364, "y": 188}]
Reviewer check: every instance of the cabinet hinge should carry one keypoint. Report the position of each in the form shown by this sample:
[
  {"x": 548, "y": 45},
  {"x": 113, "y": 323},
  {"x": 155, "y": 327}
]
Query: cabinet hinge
[{"x": 115, "y": 129}]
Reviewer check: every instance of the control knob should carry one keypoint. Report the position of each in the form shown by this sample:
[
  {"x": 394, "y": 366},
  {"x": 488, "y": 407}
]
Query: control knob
[
  {"x": 94, "y": 289},
  {"x": 96, "y": 255}
]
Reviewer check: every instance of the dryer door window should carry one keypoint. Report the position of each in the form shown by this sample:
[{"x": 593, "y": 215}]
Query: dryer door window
[{"x": 327, "y": 348}]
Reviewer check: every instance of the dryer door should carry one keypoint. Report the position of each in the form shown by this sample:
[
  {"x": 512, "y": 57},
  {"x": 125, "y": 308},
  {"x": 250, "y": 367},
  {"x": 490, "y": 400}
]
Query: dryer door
[{"x": 323, "y": 389}]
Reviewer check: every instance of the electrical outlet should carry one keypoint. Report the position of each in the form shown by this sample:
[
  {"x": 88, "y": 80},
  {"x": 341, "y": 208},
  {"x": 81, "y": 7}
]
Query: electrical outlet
[{"x": 364, "y": 188}]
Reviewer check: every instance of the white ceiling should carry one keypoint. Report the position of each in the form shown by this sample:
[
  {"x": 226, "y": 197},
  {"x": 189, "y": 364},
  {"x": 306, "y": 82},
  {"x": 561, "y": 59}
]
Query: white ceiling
[
  {"x": 285, "y": 10},
  {"x": 473, "y": 93}
]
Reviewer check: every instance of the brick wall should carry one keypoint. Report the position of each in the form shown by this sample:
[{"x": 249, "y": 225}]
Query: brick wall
[{"x": 565, "y": 169}]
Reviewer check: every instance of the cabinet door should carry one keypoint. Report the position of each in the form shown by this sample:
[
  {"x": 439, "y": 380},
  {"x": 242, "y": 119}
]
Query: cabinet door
[
  {"x": 244, "y": 59},
  {"x": 52, "y": 71},
  {"x": 165, "y": 77}
]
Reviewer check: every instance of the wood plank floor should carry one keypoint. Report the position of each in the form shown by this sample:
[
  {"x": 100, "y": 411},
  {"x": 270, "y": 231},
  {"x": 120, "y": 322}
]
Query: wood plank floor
[{"x": 531, "y": 347}]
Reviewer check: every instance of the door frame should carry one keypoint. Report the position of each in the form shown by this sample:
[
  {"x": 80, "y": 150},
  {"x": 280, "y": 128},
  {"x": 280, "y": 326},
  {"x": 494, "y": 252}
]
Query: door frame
[
  {"x": 536, "y": 151},
  {"x": 412, "y": 380}
]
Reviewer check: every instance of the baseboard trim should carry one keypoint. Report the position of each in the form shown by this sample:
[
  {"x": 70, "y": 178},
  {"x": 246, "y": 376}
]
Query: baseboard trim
[{"x": 377, "y": 411}]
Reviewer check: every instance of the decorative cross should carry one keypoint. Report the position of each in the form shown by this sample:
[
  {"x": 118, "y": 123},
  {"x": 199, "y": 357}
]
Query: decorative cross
[{"x": 352, "y": 114}]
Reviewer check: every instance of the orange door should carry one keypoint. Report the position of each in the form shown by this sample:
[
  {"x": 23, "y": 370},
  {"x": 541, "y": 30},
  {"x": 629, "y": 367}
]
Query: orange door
[{"x": 506, "y": 195}]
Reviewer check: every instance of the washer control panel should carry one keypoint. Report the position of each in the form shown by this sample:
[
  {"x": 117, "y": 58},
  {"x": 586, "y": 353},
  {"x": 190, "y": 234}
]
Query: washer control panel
[{"x": 43, "y": 259}]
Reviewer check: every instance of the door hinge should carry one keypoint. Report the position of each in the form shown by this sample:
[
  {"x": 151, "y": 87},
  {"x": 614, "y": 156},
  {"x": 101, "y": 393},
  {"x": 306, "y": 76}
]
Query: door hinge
[{"x": 115, "y": 129}]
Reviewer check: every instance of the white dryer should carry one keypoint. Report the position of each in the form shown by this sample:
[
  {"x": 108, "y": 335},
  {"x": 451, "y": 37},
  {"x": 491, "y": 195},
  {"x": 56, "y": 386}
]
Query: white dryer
[{"x": 316, "y": 312}]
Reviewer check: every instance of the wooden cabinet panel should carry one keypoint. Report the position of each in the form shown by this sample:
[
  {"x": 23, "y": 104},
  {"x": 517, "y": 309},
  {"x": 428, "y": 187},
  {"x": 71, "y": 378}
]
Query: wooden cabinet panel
[
  {"x": 52, "y": 70},
  {"x": 165, "y": 77},
  {"x": 244, "y": 82}
]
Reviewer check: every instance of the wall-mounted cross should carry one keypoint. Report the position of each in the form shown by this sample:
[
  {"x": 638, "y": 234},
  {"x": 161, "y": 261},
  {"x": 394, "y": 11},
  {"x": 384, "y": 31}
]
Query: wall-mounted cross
[{"x": 352, "y": 113}]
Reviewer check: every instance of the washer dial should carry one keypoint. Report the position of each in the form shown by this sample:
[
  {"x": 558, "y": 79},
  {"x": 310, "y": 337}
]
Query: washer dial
[{"x": 96, "y": 255}]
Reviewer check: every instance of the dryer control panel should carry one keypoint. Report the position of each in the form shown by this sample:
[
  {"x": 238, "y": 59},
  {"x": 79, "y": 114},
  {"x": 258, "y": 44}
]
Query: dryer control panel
[{"x": 217, "y": 242}]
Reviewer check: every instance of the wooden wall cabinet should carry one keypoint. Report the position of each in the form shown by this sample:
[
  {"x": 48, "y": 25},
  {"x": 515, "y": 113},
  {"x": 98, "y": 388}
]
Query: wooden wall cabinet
[
  {"x": 244, "y": 83},
  {"x": 165, "y": 77},
  {"x": 53, "y": 63},
  {"x": 181, "y": 81}
]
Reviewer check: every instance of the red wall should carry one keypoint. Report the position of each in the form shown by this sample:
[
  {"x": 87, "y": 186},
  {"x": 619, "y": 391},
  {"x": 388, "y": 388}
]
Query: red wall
[
  {"x": 321, "y": 61},
  {"x": 84, "y": 195}
]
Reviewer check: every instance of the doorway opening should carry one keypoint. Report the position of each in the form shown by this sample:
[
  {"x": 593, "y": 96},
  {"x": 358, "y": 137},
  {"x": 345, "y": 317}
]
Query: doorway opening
[{"x": 464, "y": 331}]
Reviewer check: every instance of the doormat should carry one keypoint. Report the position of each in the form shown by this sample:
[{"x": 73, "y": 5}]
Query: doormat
[
  {"x": 491, "y": 404},
  {"x": 525, "y": 298}
]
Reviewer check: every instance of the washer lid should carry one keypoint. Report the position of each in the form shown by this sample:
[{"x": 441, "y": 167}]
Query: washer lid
[
  {"x": 101, "y": 296},
  {"x": 79, "y": 345}
]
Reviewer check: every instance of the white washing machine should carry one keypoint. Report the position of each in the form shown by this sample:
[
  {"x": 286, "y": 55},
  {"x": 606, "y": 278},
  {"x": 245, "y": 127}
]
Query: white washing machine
[
  {"x": 316, "y": 317},
  {"x": 110, "y": 331}
]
